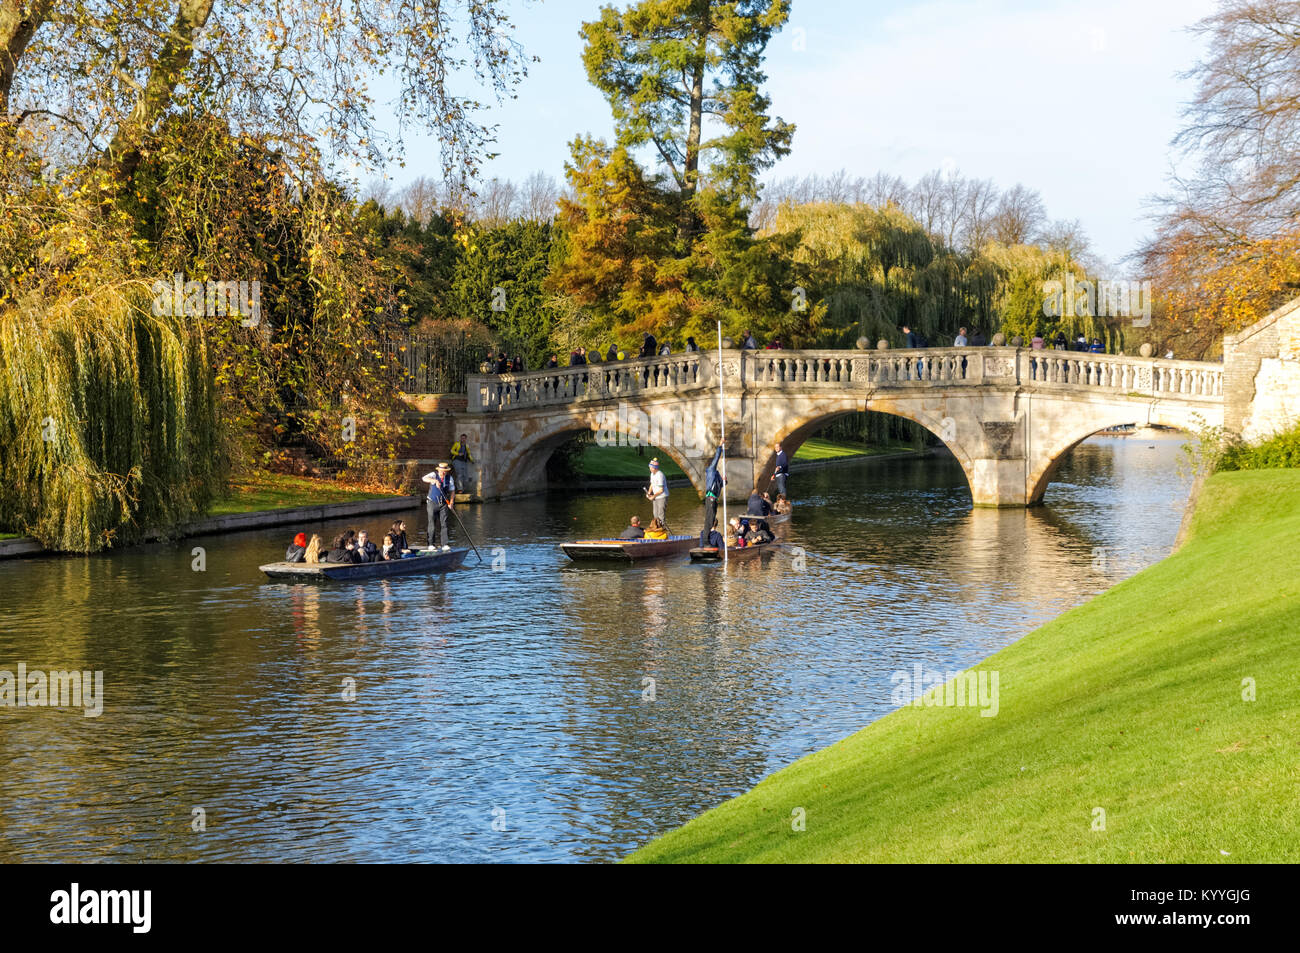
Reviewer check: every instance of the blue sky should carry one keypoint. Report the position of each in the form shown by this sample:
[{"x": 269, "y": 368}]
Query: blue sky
[{"x": 1078, "y": 100}]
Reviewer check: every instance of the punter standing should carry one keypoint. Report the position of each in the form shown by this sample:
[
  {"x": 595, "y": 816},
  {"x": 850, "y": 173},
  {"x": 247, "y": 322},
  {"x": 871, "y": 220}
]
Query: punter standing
[
  {"x": 442, "y": 499},
  {"x": 657, "y": 493},
  {"x": 782, "y": 470},
  {"x": 713, "y": 485}
]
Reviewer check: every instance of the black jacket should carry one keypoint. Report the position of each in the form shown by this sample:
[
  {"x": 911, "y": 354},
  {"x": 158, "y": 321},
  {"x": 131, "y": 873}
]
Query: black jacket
[
  {"x": 651, "y": 347},
  {"x": 295, "y": 554},
  {"x": 343, "y": 556},
  {"x": 632, "y": 532}
]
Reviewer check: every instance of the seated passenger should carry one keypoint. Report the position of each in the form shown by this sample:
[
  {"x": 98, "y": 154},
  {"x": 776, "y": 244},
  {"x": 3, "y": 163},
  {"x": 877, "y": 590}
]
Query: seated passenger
[
  {"x": 759, "y": 532},
  {"x": 367, "y": 552},
  {"x": 389, "y": 550},
  {"x": 297, "y": 551},
  {"x": 344, "y": 550},
  {"x": 715, "y": 538},
  {"x": 398, "y": 532},
  {"x": 757, "y": 505},
  {"x": 782, "y": 505},
  {"x": 314, "y": 554},
  {"x": 634, "y": 530},
  {"x": 657, "y": 530}
]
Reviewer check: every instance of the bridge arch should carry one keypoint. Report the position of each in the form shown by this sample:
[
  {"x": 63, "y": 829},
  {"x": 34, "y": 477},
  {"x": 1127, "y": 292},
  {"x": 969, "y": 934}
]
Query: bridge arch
[
  {"x": 1046, "y": 460},
  {"x": 525, "y": 471},
  {"x": 793, "y": 431}
]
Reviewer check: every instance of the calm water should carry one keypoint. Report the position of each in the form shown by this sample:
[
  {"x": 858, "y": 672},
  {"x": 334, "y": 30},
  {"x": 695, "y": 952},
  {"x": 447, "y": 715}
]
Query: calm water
[{"x": 516, "y": 695}]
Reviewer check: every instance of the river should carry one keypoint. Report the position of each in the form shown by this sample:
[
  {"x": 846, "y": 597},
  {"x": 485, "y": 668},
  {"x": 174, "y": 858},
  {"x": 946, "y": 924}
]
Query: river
[{"x": 505, "y": 712}]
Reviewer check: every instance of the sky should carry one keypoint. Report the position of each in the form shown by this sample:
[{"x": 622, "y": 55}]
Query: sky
[{"x": 1078, "y": 100}]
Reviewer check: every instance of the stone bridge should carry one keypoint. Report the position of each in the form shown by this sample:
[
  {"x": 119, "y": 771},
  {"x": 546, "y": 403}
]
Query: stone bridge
[{"x": 1009, "y": 415}]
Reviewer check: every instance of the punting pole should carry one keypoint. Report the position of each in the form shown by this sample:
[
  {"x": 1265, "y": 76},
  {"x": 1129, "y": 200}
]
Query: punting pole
[{"x": 722, "y": 430}]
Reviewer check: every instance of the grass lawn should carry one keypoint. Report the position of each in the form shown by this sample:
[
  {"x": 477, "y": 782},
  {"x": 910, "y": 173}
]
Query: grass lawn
[
  {"x": 274, "y": 491},
  {"x": 10, "y": 536},
  {"x": 612, "y": 463},
  {"x": 1132, "y": 703},
  {"x": 815, "y": 448}
]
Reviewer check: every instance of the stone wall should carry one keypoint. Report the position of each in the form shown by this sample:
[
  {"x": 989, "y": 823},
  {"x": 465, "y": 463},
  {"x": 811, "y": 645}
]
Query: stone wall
[
  {"x": 433, "y": 417},
  {"x": 1261, "y": 375}
]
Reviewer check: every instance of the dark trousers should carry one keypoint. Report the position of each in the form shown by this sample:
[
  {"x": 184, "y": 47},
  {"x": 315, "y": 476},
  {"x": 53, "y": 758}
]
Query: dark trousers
[
  {"x": 710, "y": 511},
  {"x": 439, "y": 530}
]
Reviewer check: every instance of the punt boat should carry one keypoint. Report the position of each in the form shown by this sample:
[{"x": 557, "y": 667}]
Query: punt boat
[
  {"x": 428, "y": 561},
  {"x": 712, "y": 554},
  {"x": 627, "y": 550}
]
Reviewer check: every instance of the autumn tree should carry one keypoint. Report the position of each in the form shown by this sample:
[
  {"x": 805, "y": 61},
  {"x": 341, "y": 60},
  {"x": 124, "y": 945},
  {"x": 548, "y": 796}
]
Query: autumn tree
[{"x": 1224, "y": 249}]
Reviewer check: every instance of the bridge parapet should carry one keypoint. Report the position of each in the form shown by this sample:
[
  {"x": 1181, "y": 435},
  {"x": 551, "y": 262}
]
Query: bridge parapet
[
  {"x": 587, "y": 382},
  {"x": 816, "y": 370},
  {"x": 1128, "y": 375}
]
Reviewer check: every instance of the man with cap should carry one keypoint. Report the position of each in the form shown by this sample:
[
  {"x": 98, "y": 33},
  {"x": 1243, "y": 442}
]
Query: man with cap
[
  {"x": 657, "y": 493},
  {"x": 442, "y": 499}
]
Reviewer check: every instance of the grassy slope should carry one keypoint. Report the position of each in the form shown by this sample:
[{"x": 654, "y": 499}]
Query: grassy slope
[
  {"x": 815, "y": 448},
  {"x": 618, "y": 462},
  {"x": 273, "y": 491},
  {"x": 613, "y": 463},
  {"x": 1131, "y": 702}
]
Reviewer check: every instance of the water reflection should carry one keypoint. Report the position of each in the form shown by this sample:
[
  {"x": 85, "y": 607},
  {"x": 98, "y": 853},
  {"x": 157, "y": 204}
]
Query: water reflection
[{"x": 517, "y": 694}]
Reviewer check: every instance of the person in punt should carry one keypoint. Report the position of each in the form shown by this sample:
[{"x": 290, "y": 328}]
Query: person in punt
[
  {"x": 634, "y": 530},
  {"x": 657, "y": 529},
  {"x": 297, "y": 551},
  {"x": 313, "y": 554}
]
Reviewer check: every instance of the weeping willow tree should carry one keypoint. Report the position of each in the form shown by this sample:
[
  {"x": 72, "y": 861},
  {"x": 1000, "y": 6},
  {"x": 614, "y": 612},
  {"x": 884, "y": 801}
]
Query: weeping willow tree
[{"x": 108, "y": 419}]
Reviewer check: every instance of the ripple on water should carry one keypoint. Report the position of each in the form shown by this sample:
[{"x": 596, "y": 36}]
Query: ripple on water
[{"x": 521, "y": 696}]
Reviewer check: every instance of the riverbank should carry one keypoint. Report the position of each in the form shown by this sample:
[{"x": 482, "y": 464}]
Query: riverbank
[
  {"x": 616, "y": 467},
  {"x": 1154, "y": 724},
  {"x": 262, "y": 500}
]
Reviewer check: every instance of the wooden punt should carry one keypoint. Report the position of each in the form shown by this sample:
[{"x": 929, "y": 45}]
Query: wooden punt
[
  {"x": 772, "y": 518},
  {"x": 429, "y": 561},
  {"x": 712, "y": 554},
  {"x": 627, "y": 550}
]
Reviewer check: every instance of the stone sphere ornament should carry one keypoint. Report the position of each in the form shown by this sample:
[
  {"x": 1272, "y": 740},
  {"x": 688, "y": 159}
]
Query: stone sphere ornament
[
  {"x": 1145, "y": 350},
  {"x": 863, "y": 344},
  {"x": 728, "y": 344},
  {"x": 882, "y": 345}
]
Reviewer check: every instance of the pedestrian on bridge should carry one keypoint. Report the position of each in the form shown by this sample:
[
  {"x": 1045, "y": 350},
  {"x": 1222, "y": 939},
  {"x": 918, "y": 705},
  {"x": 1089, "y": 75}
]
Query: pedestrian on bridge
[{"x": 657, "y": 491}]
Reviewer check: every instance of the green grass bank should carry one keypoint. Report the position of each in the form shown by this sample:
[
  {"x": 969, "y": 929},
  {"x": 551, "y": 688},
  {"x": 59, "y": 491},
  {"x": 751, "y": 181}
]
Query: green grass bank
[
  {"x": 609, "y": 463},
  {"x": 1132, "y": 703}
]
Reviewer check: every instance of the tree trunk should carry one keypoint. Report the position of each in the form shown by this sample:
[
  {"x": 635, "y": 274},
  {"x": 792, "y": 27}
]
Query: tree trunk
[
  {"x": 18, "y": 23},
  {"x": 691, "y": 171},
  {"x": 178, "y": 49}
]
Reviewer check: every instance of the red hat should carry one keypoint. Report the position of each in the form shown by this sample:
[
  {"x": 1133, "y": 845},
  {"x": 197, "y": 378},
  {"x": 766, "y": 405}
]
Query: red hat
[{"x": 300, "y": 539}]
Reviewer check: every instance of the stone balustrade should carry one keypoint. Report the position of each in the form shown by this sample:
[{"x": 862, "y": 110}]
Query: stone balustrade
[{"x": 839, "y": 370}]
